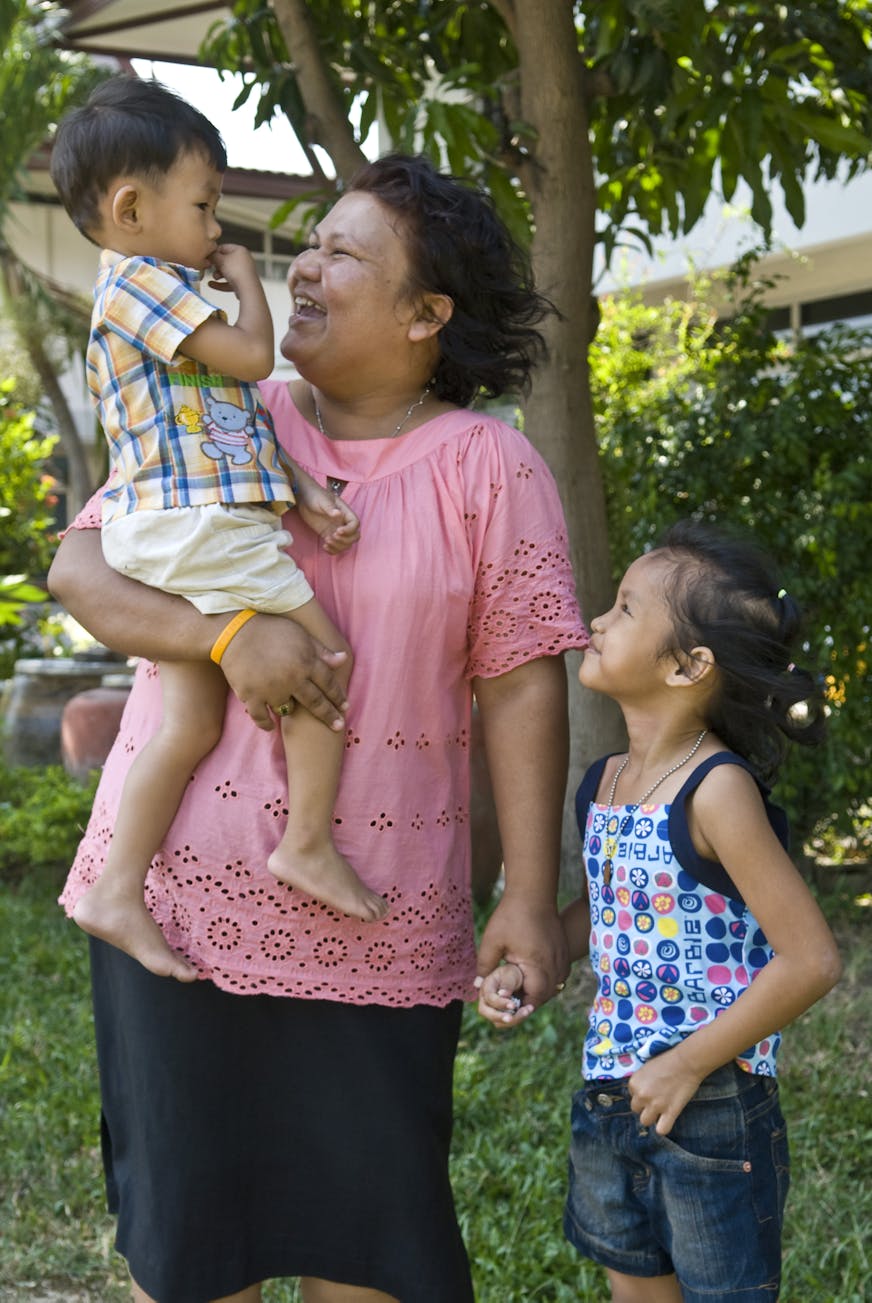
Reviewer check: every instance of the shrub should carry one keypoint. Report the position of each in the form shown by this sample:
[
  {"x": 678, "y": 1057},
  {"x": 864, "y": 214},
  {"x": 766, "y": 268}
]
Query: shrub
[
  {"x": 26, "y": 519},
  {"x": 42, "y": 817},
  {"x": 726, "y": 422}
]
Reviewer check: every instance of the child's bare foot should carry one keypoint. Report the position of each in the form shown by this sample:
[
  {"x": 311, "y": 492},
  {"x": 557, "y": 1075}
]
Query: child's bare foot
[
  {"x": 321, "y": 872},
  {"x": 123, "y": 920}
]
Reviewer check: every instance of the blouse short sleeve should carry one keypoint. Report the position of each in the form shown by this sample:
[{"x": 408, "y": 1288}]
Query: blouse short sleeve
[
  {"x": 89, "y": 517},
  {"x": 524, "y": 603}
]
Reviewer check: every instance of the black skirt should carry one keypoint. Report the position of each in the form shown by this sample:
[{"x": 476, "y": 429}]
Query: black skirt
[{"x": 249, "y": 1137}]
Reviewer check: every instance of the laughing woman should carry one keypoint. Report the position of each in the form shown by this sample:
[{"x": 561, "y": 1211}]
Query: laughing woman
[{"x": 289, "y": 1114}]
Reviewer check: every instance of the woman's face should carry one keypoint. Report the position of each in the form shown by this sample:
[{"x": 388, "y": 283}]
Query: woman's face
[{"x": 349, "y": 306}]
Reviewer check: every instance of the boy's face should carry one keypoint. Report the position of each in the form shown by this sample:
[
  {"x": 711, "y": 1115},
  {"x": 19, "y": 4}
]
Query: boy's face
[{"x": 174, "y": 218}]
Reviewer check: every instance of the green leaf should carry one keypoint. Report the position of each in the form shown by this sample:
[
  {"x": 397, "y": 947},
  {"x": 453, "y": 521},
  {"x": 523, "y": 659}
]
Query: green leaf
[{"x": 838, "y": 137}]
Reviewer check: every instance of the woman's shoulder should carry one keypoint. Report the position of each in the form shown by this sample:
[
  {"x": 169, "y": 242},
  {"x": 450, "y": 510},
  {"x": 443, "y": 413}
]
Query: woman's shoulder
[
  {"x": 492, "y": 435},
  {"x": 276, "y": 394}
]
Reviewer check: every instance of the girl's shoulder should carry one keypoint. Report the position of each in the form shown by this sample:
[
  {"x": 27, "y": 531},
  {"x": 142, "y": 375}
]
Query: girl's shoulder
[{"x": 722, "y": 781}]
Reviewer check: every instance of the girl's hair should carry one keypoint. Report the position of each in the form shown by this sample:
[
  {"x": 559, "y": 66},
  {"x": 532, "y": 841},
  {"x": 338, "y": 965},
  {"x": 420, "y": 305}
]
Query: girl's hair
[
  {"x": 723, "y": 593},
  {"x": 127, "y": 127},
  {"x": 459, "y": 247}
]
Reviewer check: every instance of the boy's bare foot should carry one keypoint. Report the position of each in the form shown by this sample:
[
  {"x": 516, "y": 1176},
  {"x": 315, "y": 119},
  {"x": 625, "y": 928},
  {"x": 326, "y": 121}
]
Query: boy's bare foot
[
  {"x": 321, "y": 872},
  {"x": 124, "y": 921}
]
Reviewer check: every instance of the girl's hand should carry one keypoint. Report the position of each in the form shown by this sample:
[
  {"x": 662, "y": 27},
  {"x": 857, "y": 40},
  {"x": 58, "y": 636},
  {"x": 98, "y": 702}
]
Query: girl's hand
[
  {"x": 500, "y": 995},
  {"x": 660, "y": 1090}
]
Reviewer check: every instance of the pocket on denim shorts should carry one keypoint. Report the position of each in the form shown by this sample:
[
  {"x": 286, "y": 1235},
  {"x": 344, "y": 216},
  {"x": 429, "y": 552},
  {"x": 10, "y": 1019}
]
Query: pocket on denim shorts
[{"x": 710, "y": 1133}]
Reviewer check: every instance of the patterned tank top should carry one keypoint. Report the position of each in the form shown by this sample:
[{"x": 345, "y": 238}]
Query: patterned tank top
[{"x": 672, "y": 942}]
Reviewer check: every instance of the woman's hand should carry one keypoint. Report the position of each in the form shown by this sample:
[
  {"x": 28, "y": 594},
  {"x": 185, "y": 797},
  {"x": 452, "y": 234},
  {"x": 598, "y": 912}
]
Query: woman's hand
[
  {"x": 272, "y": 660},
  {"x": 530, "y": 935}
]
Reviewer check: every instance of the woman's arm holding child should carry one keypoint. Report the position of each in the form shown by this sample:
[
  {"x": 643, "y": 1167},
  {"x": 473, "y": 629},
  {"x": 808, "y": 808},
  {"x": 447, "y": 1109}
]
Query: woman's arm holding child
[
  {"x": 264, "y": 666},
  {"x": 729, "y": 823}
]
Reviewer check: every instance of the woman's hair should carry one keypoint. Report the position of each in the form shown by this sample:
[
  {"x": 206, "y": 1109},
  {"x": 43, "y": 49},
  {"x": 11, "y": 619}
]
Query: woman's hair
[
  {"x": 723, "y": 594},
  {"x": 127, "y": 127},
  {"x": 459, "y": 247}
]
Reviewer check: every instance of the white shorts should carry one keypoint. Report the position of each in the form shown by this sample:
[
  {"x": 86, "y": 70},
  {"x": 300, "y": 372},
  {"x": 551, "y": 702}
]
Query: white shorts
[{"x": 221, "y": 557}]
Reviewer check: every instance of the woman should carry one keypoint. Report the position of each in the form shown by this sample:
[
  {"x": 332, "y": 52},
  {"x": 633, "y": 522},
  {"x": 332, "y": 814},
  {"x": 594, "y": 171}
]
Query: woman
[{"x": 290, "y": 1114}]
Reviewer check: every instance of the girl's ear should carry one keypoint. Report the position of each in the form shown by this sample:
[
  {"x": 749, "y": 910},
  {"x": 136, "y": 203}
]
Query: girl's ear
[
  {"x": 125, "y": 208},
  {"x": 434, "y": 311},
  {"x": 692, "y": 669}
]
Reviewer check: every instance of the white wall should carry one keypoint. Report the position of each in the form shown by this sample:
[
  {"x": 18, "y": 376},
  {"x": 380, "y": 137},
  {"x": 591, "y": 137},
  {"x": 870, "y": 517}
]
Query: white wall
[{"x": 830, "y": 255}]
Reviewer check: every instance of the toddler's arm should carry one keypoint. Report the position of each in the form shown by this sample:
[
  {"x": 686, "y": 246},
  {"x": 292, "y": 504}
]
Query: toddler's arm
[
  {"x": 245, "y": 350},
  {"x": 324, "y": 512}
]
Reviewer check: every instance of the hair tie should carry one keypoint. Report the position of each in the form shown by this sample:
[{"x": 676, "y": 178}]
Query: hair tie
[{"x": 782, "y": 593}]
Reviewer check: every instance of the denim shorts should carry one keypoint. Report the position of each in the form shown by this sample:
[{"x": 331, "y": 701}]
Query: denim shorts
[{"x": 705, "y": 1202}]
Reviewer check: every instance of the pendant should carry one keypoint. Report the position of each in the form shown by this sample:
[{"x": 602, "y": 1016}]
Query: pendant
[{"x": 607, "y": 873}]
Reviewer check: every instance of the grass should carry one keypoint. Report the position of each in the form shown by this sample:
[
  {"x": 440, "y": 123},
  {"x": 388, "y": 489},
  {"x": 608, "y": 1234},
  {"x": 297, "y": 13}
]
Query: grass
[{"x": 512, "y": 1101}]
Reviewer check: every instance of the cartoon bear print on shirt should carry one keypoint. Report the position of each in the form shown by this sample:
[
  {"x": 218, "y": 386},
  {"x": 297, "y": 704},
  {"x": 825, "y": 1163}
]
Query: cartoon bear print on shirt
[{"x": 229, "y": 429}]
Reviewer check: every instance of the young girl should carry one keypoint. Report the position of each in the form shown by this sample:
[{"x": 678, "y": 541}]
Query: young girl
[{"x": 703, "y": 938}]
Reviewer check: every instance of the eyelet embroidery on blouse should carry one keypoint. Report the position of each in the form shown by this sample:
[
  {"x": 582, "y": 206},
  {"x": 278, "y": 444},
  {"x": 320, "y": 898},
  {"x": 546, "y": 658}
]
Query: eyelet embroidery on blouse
[
  {"x": 249, "y": 933},
  {"x": 222, "y": 936}
]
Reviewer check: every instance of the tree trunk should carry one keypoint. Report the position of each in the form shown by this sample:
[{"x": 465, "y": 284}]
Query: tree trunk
[
  {"x": 326, "y": 118},
  {"x": 80, "y": 480},
  {"x": 559, "y": 180}
]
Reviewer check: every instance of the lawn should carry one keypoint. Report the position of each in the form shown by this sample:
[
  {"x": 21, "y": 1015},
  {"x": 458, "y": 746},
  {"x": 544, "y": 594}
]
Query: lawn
[{"x": 512, "y": 1096}]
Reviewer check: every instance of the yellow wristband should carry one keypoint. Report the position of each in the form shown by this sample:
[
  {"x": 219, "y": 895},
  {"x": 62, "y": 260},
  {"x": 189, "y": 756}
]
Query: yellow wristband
[{"x": 228, "y": 633}]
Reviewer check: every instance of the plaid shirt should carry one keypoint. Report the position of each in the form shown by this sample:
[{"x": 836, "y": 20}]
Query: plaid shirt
[{"x": 178, "y": 435}]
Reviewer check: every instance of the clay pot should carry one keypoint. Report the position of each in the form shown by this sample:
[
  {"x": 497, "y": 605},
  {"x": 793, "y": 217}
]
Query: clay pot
[
  {"x": 33, "y": 701},
  {"x": 89, "y": 726}
]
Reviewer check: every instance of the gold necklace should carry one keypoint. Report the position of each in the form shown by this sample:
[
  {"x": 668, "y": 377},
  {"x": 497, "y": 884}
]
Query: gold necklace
[{"x": 611, "y": 846}]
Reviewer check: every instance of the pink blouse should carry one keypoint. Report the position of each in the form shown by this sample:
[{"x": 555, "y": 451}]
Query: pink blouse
[{"x": 461, "y": 570}]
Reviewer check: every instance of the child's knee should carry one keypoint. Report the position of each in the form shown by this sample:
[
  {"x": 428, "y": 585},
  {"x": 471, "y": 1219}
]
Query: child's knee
[{"x": 192, "y": 737}]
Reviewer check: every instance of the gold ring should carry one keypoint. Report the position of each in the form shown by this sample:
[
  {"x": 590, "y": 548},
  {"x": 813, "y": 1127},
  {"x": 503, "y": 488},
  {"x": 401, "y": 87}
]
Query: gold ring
[{"x": 285, "y": 708}]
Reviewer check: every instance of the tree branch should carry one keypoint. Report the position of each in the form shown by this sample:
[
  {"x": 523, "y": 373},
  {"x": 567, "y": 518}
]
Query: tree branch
[{"x": 327, "y": 123}]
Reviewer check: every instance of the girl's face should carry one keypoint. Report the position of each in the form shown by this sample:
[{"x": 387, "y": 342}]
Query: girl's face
[
  {"x": 349, "y": 306},
  {"x": 624, "y": 656}
]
